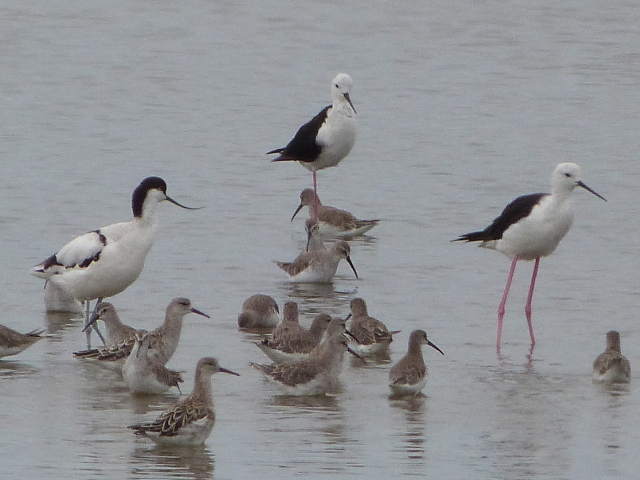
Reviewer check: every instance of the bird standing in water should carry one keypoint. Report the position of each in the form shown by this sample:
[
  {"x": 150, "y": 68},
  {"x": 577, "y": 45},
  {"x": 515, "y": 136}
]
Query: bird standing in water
[
  {"x": 531, "y": 227},
  {"x": 328, "y": 137},
  {"x": 104, "y": 262}
]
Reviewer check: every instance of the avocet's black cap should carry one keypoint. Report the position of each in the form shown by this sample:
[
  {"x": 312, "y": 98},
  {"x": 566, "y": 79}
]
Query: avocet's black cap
[{"x": 141, "y": 191}]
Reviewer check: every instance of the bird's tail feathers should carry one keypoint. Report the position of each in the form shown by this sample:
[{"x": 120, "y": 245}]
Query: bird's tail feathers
[{"x": 479, "y": 236}]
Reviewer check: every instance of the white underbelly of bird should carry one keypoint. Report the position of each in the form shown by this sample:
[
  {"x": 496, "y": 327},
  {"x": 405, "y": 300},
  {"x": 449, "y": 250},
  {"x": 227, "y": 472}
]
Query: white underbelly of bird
[
  {"x": 119, "y": 265},
  {"x": 336, "y": 143},
  {"x": 407, "y": 389},
  {"x": 318, "y": 272},
  {"x": 534, "y": 237}
]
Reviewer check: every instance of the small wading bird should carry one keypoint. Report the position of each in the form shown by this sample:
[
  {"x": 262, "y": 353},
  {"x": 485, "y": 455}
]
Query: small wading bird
[
  {"x": 116, "y": 331},
  {"x": 333, "y": 221},
  {"x": 531, "y": 227},
  {"x": 163, "y": 340},
  {"x": 328, "y": 137},
  {"x": 12, "y": 342},
  {"x": 611, "y": 366},
  {"x": 259, "y": 311},
  {"x": 104, "y": 262},
  {"x": 409, "y": 375},
  {"x": 372, "y": 337},
  {"x": 316, "y": 374},
  {"x": 318, "y": 264},
  {"x": 191, "y": 420},
  {"x": 297, "y": 345},
  {"x": 143, "y": 374},
  {"x": 58, "y": 300}
]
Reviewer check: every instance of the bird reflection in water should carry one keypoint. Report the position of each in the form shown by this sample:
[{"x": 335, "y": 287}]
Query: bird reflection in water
[
  {"x": 413, "y": 434},
  {"x": 195, "y": 461}
]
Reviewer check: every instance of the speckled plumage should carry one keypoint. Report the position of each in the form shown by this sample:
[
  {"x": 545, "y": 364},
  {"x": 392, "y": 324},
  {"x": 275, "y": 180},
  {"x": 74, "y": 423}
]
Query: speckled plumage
[
  {"x": 316, "y": 374},
  {"x": 292, "y": 345},
  {"x": 370, "y": 334},
  {"x": 163, "y": 340},
  {"x": 191, "y": 420}
]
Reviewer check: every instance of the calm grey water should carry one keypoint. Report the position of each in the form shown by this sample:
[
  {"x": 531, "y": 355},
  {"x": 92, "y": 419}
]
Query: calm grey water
[{"x": 462, "y": 106}]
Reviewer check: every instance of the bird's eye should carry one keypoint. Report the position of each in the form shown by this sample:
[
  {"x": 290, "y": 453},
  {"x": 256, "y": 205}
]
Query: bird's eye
[
  {"x": 337, "y": 86},
  {"x": 568, "y": 175}
]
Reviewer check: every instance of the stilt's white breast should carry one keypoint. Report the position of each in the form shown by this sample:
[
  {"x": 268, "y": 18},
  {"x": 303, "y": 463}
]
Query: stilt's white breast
[{"x": 538, "y": 234}]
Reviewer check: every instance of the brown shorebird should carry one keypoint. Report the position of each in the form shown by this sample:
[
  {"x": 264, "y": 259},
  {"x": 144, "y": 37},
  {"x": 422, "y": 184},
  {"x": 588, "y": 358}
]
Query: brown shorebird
[
  {"x": 409, "y": 375},
  {"x": 317, "y": 374},
  {"x": 259, "y": 311},
  {"x": 143, "y": 374},
  {"x": 290, "y": 326},
  {"x": 318, "y": 264},
  {"x": 297, "y": 343},
  {"x": 163, "y": 340},
  {"x": 116, "y": 331},
  {"x": 12, "y": 342},
  {"x": 191, "y": 420},
  {"x": 333, "y": 222},
  {"x": 611, "y": 366},
  {"x": 371, "y": 335}
]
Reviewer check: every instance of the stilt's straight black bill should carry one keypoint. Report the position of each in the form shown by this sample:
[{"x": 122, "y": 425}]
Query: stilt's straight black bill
[
  {"x": 348, "y": 98},
  {"x": 580, "y": 184}
]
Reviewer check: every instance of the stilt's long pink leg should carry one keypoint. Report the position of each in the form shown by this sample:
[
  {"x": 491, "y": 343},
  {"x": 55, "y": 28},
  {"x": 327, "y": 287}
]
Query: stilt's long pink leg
[
  {"x": 315, "y": 200},
  {"x": 501, "y": 308},
  {"x": 527, "y": 308}
]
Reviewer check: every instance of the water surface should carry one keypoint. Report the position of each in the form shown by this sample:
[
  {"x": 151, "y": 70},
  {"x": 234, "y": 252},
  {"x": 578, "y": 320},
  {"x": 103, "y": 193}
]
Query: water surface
[{"x": 461, "y": 107}]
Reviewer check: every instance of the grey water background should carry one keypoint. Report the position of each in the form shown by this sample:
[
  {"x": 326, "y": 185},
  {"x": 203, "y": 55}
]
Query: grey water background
[{"x": 461, "y": 107}]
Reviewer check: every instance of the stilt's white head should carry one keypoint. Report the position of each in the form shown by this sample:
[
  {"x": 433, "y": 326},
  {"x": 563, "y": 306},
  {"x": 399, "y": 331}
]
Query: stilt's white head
[
  {"x": 341, "y": 88},
  {"x": 566, "y": 177}
]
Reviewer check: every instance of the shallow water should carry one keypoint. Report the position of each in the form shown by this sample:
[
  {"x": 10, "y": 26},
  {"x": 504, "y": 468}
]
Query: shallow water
[{"x": 461, "y": 108}]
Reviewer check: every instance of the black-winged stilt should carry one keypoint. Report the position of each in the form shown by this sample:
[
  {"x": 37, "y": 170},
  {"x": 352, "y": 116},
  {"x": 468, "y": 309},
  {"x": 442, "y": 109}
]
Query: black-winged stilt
[
  {"x": 328, "y": 137},
  {"x": 531, "y": 227}
]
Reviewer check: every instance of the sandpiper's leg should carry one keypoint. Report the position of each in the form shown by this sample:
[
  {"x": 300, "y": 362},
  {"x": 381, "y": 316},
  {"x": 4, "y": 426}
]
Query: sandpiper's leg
[
  {"x": 501, "y": 308},
  {"x": 527, "y": 308}
]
